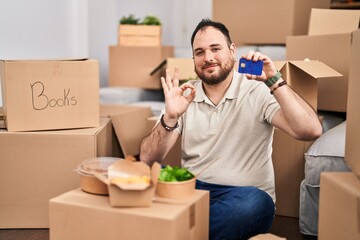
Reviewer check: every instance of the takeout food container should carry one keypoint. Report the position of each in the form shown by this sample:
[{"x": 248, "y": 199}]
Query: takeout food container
[
  {"x": 87, "y": 170},
  {"x": 175, "y": 190},
  {"x": 125, "y": 185}
]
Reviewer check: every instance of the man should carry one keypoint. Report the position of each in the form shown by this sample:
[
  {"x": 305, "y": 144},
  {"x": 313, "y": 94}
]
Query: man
[{"x": 226, "y": 120}]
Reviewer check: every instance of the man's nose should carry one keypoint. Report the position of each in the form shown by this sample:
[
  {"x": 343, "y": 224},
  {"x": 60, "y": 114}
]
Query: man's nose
[{"x": 208, "y": 56}]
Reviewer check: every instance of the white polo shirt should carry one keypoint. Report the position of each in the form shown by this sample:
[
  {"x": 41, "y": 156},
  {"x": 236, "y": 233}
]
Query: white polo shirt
[{"x": 231, "y": 143}]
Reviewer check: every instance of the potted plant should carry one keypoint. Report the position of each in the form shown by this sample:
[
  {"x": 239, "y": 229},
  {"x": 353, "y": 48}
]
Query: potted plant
[{"x": 133, "y": 32}]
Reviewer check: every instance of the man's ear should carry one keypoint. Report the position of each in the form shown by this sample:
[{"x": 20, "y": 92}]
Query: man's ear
[{"x": 232, "y": 50}]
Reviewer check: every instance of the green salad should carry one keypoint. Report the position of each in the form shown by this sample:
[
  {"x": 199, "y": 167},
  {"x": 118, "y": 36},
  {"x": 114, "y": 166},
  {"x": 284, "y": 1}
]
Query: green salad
[{"x": 175, "y": 174}]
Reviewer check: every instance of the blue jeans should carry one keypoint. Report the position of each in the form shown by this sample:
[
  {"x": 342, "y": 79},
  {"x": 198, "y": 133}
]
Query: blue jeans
[{"x": 238, "y": 212}]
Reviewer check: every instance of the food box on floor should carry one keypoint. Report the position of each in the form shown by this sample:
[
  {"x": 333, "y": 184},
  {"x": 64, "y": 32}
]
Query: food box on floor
[
  {"x": 329, "y": 29},
  {"x": 76, "y": 214},
  {"x": 139, "y": 35},
  {"x": 37, "y": 166},
  {"x": 131, "y": 66},
  {"x": 130, "y": 125},
  {"x": 339, "y": 206},
  {"x": 352, "y": 150},
  {"x": 50, "y": 94},
  {"x": 265, "y": 22}
]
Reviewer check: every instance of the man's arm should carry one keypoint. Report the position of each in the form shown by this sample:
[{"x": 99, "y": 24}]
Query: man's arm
[{"x": 157, "y": 144}]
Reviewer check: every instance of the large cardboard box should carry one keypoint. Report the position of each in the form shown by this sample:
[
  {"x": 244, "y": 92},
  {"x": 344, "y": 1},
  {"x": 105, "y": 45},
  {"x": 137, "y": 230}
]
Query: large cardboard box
[
  {"x": 78, "y": 215},
  {"x": 339, "y": 206},
  {"x": 263, "y": 21},
  {"x": 185, "y": 65},
  {"x": 288, "y": 153},
  {"x": 131, "y": 66},
  {"x": 352, "y": 150},
  {"x": 46, "y": 95},
  {"x": 330, "y": 40},
  {"x": 130, "y": 125},
  {"x": 37, "y": 166},
  {"x": 139, "y": 35}
]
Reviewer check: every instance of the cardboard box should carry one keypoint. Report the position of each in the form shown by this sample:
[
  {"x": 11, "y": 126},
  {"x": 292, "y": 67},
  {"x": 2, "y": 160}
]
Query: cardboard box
[
  {"x": 130, "y": 125},
  {"x": 46, "y": 95},
  {"x": 288, "y": 153},
  {"x": 139, "y": 35},
  {"x": 339, "y": 206},
  {"x": 185, "y": 65},
  {"x": 173, "y": 158},
  {"x": 265, "y": 22},
  {"x": 352, "y": 150},
  {"x": 131, "y": 66},
  {"x": 332, "y": 93},
  {"x": 77, "y": 215},
  {"x": 37, "y": 166}
]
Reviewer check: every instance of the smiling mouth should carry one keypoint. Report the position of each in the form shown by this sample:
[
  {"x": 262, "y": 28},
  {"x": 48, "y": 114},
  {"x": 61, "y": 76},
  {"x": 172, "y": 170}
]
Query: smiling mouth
[{"x": 209, "y": 66}]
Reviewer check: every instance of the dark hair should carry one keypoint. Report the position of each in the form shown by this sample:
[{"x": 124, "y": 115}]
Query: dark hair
[{"x": 209, "y": 23}]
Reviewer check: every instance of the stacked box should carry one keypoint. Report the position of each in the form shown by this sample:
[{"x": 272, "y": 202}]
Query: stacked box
[{"x": 139, "y": 35}]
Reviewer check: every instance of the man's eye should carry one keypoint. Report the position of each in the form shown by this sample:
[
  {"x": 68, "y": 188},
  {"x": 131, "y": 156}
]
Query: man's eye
[
  {"x": 199, "y": 53},
  {"x": 215, "y": 49}
]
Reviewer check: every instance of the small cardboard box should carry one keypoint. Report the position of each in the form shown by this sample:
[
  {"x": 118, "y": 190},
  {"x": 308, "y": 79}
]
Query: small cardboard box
[
  {"x": 288, "y": 153},
  {"x": 78, "y": 215},
  {"x": 352, "y": 150},
  {"x": 185, "y": 65},
  {"x": 131, "y": 66},
  {"x": 130, "y": 125},
  {"x": 46, "y": 95},
  {"x": 139, "y": 35},
  {"x": 339, "y": 206},
  {"x": 37, "y": 166},
  {"x": 132, "y": 195},
  {"x": 329, "y": 29},
  {"x": 265, "y": 22}
]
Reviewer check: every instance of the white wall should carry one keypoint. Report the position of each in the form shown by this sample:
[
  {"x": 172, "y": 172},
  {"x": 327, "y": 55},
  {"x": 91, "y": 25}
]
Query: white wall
[{"x": 53, "y": 29}]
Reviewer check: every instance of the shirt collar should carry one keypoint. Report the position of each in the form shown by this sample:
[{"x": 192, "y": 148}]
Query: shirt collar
[{"x": 231, "y": 93}]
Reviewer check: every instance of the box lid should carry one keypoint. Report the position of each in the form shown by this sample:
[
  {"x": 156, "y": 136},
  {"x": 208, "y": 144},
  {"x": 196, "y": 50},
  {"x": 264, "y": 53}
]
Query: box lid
[
  {"x": 333, "y": 21},
  {"x": 316, "y": 69}
]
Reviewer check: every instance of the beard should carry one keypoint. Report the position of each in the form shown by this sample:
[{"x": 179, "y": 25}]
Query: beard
[{"x": 223, "y": 73}]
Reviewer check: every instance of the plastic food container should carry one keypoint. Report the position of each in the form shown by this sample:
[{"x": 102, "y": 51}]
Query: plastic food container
[
  {"x": 175, "y": 190},
  {"x": 87, "y": 170}
]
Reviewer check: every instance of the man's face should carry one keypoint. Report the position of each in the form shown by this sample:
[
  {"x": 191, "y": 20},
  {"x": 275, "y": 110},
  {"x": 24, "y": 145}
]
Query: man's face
[{"x": 213, "y": 59}]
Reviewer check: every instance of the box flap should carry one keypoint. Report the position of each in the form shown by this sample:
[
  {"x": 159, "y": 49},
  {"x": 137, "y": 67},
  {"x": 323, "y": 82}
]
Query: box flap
[
  {"x": 316, "y": 69},
  {"x": 333, "y": 21},
  {"x": 279, "y": 65},
  {"x": 185, "y": 65}
]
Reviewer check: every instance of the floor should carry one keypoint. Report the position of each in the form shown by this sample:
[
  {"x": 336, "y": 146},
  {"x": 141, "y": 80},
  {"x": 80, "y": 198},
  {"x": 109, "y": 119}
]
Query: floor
[{"x": 283, "y": 226}]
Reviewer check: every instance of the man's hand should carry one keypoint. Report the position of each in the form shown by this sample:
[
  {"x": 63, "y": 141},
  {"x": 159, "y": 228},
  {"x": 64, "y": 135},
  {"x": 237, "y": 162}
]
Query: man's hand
[
  {"x": 269, "y": 69},
  {"x": 176, "y": 102}
]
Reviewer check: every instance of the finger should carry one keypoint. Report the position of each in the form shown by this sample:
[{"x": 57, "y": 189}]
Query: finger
[
  {"x": 168, "y": 79},
  {"x": 176, "y": 77},
  {"x": 164, "y": 85},
  {"x": 249, "y": 55},
  {"x": 256, "y": 56}
]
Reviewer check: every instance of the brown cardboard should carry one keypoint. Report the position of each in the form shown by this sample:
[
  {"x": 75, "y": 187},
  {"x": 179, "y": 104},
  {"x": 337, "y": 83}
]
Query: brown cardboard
[
  {"x": 339, "y": 206},
  {"x": 265, "y": 22},
  {"x": 130, "y": 125},
  {"x": 303, "y": 77},
  {"x": 266, "y": 236},
  {"x": 173, "y": 158},
  {"x": 37, "y": 166},
  {"x": 288, "y": 159},
  {"x": 75, "y": 215},
  {"x": 50, "y": 94},
  {"x": 185, "y": 65},
  {"x": 352, "y": 150},
  {"x": 131, "y": 66},
  {"x": 333, "y": 49},
  {"x": 139, "y": 35}
]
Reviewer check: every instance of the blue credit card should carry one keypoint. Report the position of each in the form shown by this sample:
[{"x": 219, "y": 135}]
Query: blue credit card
[{"x": 250, "y": 67}]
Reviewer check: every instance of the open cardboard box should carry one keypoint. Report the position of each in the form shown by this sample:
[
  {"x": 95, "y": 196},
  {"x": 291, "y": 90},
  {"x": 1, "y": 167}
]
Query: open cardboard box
[
  {"x": 288, "y": 153},
  {"x": 185, "y": 65},
  {"x": 138, "y": 194},
  {"x": 330, "y": 40}
]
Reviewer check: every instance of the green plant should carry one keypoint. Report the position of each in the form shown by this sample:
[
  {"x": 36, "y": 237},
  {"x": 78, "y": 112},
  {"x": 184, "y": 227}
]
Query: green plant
[
  {"x": 175, "y": 174},
  {"x": 151, "y": 20},
  {"x": 130, "y": 20}
]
